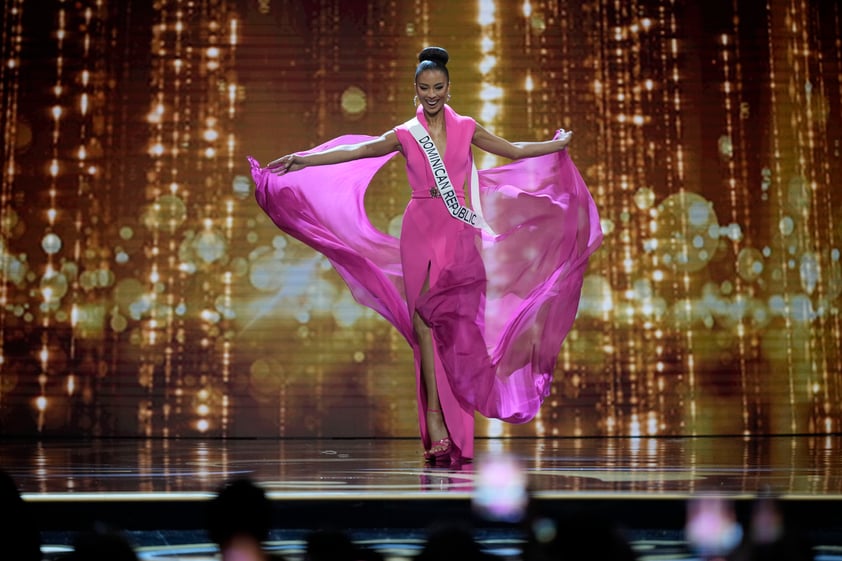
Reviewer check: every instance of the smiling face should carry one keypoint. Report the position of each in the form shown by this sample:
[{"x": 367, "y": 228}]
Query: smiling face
[{"x": 432, "y": 88}]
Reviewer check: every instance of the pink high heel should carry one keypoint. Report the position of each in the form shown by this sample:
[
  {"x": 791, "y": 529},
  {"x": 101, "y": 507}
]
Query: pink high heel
[{"x": 440, "y": 451}]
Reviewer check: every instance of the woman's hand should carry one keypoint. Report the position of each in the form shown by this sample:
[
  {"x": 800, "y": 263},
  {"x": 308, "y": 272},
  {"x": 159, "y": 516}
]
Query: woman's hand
[
  {"x": 564, "y": 137},
  {"x": 290, "y": 162}
]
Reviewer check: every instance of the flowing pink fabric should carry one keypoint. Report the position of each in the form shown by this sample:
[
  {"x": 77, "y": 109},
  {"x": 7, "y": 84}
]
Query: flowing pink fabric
[{"x": 499, "y": 307}]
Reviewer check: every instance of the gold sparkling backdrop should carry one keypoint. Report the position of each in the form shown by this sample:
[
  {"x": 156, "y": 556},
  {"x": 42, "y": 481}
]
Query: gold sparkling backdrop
[{"x": 144, "y": 293}]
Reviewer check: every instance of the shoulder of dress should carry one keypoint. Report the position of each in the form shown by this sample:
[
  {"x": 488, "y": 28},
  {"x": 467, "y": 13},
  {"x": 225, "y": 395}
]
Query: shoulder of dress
[
  {"x": 404, "y": 127},
  {"x": 401, "y": 130},
  {"x": 404, "y": 136},
  {"x": 462, "y": 120}
]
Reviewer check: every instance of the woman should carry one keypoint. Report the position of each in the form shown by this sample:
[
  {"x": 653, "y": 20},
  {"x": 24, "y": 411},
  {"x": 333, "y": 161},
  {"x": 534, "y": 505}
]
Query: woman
[{"x": 484, "y": 311}]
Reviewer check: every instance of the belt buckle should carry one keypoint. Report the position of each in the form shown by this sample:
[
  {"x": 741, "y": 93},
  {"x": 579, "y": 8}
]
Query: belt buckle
[{"x": 434, "y": 193}]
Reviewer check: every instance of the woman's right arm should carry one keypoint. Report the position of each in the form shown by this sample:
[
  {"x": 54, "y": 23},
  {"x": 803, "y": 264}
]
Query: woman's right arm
[{"x": 381, "y": 146}]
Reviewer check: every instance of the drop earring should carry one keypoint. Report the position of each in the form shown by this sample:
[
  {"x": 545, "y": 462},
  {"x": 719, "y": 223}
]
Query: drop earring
[
  {"x": 415, "y": 101},
  {"x": 448, "y": 97}
]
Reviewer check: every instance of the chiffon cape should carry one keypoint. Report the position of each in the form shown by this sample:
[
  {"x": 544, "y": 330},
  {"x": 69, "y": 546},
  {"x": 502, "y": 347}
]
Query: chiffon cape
[{"x": 499, "y": 306}]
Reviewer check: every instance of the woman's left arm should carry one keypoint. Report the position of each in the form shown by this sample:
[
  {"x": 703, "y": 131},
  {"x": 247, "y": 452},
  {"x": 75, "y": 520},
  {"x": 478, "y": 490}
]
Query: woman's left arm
[{"x": 517, "y": 150}]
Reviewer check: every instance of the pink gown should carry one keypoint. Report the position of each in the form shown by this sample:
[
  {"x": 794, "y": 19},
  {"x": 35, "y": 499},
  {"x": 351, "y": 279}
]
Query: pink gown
[{"x": 499, "y": 307}]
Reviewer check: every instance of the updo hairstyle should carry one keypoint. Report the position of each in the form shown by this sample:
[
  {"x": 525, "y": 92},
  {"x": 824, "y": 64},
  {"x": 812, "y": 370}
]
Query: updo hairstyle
[{"x": 433, "y": 58}]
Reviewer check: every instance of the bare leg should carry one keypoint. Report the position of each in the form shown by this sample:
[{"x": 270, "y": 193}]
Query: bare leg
[{"x": 435, "y": 420}]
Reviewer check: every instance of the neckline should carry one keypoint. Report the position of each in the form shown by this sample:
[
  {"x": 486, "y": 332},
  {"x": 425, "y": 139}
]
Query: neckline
[{"x": 422, "y": 118}]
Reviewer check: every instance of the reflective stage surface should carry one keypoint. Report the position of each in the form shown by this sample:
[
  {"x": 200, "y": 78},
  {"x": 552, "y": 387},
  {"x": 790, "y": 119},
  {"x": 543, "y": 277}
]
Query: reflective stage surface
[{"x": 381, "y": 491}]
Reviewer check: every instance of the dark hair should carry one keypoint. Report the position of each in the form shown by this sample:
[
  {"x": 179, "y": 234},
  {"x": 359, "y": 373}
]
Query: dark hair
[
  {"x": 240, "y": 508},
  {"x": 452, "y": 541},
  {"x": 433, "y": 58}
]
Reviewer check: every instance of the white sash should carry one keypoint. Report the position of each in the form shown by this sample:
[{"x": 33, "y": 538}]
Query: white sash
[{"x": 443, "y": 184}]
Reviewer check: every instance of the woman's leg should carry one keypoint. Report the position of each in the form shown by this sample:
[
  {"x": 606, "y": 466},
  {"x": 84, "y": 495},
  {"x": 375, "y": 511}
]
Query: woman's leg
[
  {"x": 433, "y": 416},
  {"x": 436, "y": 427}
]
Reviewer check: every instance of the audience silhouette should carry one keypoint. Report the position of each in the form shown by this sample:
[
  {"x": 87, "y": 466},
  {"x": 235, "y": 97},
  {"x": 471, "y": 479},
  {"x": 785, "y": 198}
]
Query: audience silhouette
[
  {"x": 452, "y": 541},
  {"x": 238, "y": 521},
  {"x": 771, "y": 536},
  {"x": 577, "y": 537},
  {"x": 330, "y": 545},
  {"x": 19, "y": 534}
]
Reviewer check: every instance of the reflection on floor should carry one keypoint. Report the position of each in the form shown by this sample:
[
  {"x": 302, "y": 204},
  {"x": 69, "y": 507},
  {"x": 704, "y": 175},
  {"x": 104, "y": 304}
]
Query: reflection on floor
[{"x": 381, "y": 492}]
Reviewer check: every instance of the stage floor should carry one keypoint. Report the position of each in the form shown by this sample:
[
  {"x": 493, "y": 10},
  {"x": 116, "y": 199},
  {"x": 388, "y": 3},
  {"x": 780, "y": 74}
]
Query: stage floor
[{"x": 381, "y": 490}]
